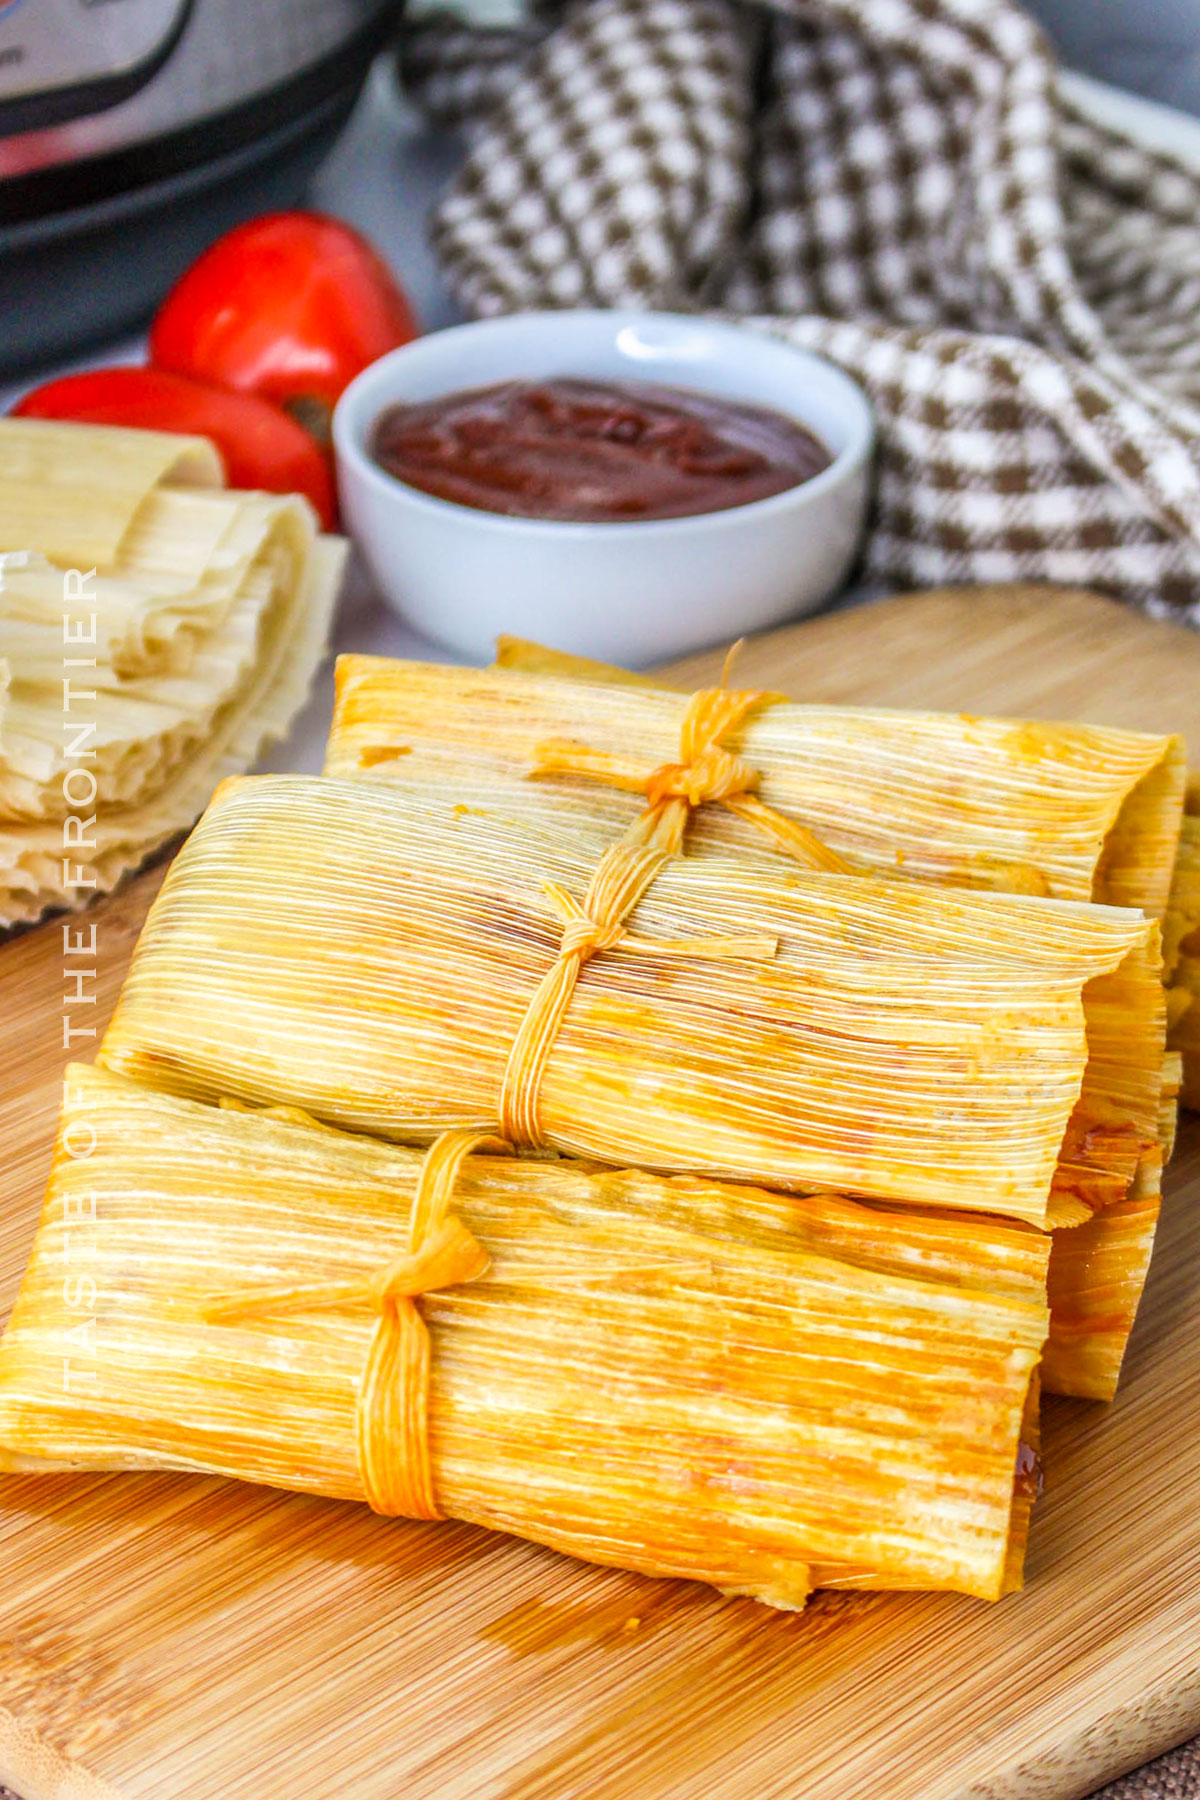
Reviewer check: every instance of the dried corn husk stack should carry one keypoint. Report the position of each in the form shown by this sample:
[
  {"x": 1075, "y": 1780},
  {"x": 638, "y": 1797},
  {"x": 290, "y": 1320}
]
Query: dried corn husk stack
[
  {"x": 188, "y": 620},
  {"x": 652, "y": 1373}
]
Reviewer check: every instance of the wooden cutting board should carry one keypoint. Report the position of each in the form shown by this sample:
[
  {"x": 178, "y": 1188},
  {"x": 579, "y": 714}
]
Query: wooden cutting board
[{"x": 169, "y": 1638}]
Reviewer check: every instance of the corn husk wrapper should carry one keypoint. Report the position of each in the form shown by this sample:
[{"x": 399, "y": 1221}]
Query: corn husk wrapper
[
  {"x": 1169, "y": 1112},
  {"x": 527, "y": 657},
  {"x": 1183, "y": 919},
  {"x": 1097, "y": 1274},
  {"x": 369, "y": 697},
  {"x": 370, "y": 956},
  {"x": 663, "y": 1375},
  {"x": 1074, "y": 811},
  {"x": 209, "y": 617},
  {"x": 1027, "y": 1488}
]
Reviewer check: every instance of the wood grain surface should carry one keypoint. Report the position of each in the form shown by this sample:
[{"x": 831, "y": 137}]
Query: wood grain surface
[{"x": 177, "y": 1638}]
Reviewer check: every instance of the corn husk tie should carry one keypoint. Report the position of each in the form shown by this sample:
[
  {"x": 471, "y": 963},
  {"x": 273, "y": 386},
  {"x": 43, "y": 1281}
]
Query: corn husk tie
[
  {"x": 393, "y": 1396},
  {"x": 707, "y": 772},
  {"x": 622, "y": 876}
]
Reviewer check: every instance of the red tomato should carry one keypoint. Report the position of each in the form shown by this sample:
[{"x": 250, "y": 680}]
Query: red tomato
[
  {"x": 260, "y": 446},
  {"x": 290, "y": 306}
]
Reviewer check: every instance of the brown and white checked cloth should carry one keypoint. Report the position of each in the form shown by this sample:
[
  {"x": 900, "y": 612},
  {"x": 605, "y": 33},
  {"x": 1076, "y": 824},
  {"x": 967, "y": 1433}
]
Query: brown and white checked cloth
[
  {"x": 1173, "y": 1777},
  {"x": 896, "y": 183}
]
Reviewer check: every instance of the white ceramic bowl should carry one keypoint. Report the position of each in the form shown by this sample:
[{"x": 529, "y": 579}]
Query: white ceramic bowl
[{"x": 632, "y": 593}]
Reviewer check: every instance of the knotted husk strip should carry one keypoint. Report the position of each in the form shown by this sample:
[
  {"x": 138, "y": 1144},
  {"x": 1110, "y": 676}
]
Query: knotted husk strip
[
  {"x": 369, "y": 956},
  {"x": 666, "y": 1375},
  {"x": 707, "y": 771},
  {"x": 621, "y": 877},
  {"x": 1075, "y": 811},
  {"x": 394, "y": 1463}
]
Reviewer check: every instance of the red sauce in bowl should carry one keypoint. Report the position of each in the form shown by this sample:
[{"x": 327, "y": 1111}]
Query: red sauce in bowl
[{"x": 594, "y": 451}]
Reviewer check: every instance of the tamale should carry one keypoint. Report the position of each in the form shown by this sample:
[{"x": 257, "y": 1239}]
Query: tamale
[
  {"x": 1181, "y": 916},
  {"x": 373, "y": 957},
  {"x": 1077, "y": 812},
  {"x": 1182, "y": 942},
  {"x": 1097, "y": 1274},
  {"x": 659, "y": 1374}
]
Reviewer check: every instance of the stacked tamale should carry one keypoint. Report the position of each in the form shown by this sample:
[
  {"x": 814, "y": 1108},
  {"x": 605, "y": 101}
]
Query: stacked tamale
[
  {"x": 157, "y": 632},
  {"x": 675, "y": 1376},
  {"x": 1182, "y": 950},
  {"x": 832, "y": 1046},
  {"x": 1169, "y": 853}
]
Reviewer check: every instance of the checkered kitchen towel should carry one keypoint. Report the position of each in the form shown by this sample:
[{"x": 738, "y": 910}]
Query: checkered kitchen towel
[{"x": 895, "y": 183}]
